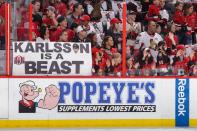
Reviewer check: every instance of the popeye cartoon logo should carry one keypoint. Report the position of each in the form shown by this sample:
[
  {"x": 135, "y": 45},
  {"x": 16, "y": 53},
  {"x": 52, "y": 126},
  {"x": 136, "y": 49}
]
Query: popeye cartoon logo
[{"x": 29, "y": 93}]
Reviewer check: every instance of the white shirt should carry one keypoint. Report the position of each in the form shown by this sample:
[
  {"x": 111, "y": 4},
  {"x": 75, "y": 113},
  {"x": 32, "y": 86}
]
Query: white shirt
[
  {"x": 98, "y": 27},
  {"x": 91, "y": 30},
  {"x": 164, "y": 14},
  {"x": 39, "y": 39},
  {"x": 144, "y": 38},
  {"x": 116, "y": 8},
  {"x": 136, "y": 27}
]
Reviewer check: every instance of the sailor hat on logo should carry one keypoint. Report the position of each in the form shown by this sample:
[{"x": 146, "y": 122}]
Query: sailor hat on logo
[{"x": 29, "y": 83}]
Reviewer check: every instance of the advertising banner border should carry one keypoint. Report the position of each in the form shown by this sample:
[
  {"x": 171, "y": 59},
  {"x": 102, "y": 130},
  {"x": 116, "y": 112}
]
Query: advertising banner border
[
  {"x": 84, "y": 123},
  {"x": 87, "y": 123}
]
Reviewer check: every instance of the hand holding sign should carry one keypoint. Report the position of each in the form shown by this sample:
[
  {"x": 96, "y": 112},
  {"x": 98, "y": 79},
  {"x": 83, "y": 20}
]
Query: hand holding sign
[{"x": 51, "y": 98}]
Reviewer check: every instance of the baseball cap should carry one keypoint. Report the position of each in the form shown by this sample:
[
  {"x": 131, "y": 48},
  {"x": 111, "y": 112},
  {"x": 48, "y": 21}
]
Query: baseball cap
[
  {"x": 85, "y": 18},
  {"x": 51, "y": 8},
  {"x": 30, "y": 83},
  {"x": 115, "y": 21},
  {"x": 180, "y": 47}
]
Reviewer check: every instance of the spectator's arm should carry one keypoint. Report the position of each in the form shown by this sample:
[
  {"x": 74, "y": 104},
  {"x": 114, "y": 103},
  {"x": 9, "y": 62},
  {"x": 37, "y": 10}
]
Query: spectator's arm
[{"x": 55, "y": 21}]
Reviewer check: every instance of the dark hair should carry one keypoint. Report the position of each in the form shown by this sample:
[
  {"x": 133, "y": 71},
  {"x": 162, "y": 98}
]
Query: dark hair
[
  {"x": 76, "y": 6},
  {"x": 74, "y": 25},
  {"x": 34, "y": 1},
  {"x": 43, "y": 30},
  {"x": 161, "y": 43},
  {"x": 158, "y": 25},
  {"x": 90, "y": 36},
  {"x": 178, "y": 3},
  {"x": 186, "y": 7},
  {"x": 106, "y": 38}
]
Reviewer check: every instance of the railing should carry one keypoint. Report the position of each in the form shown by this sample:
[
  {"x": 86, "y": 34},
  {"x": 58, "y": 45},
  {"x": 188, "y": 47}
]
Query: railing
[{"x": 27, "y": 36}]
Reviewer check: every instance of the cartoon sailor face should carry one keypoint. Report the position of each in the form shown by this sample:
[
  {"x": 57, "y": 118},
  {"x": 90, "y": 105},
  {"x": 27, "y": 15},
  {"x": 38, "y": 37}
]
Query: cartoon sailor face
[{"x": 27, "y": 90}]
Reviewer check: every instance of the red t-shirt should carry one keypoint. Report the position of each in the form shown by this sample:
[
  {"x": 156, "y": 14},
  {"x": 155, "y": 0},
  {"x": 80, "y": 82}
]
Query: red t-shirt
[
  {"x": 179, "y": 18},
  {"x": 153, "y": 13},
  {"x": 48, "y": 21},
  {"x": 61, "y": 8},
  {"x": 118, "y": 68},
  {"x": 169, "y": 41},
  {"x": 108, "y": 53},
  {"x": 94, "y": 51},
  {"x": 191, "y": 21},
  {"x": 55, "y": 35},
  {"x": 181, "y": 64}
]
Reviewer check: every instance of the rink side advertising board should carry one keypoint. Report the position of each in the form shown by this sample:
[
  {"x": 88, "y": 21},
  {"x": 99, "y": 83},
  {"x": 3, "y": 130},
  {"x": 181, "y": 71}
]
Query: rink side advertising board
[
  {"x": 98, "y": 102},
  {"x": 51, "y": 59}
]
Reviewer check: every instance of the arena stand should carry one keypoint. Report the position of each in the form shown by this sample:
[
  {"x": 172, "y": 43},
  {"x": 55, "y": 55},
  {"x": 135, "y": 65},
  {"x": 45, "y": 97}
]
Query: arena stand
[
  {"x": 158, "y": 41},
  {"x": 98, "y": 63},
  {"x": 3, "y": 33}
]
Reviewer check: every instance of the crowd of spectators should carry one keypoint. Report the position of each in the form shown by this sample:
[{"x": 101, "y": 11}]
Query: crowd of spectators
[
  {"x": 161, "y": 34},
  {"x": 2, "y": 23}
]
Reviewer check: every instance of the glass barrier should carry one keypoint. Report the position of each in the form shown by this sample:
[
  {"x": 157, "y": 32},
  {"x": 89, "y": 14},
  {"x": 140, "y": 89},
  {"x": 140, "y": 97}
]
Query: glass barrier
[
  {"x": 156, "y": 46},
  {"x": 98, "y": 23},
  {"x": 2, "y": 39},
  {"x": 86, "y": 38}
]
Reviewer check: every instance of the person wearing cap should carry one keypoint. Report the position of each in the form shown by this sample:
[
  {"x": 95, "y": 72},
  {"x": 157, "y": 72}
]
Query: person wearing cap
[
  {"x": 81, "y": 35},
  {"x": 115, "y": 32},
  {"x": 180, "y": 61},
  {"x": 50, "y": 19},
  {"x": 29, "y": 92},
  {"x": 133, "y": 28},
  {"x": 86, "y": 25}
]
